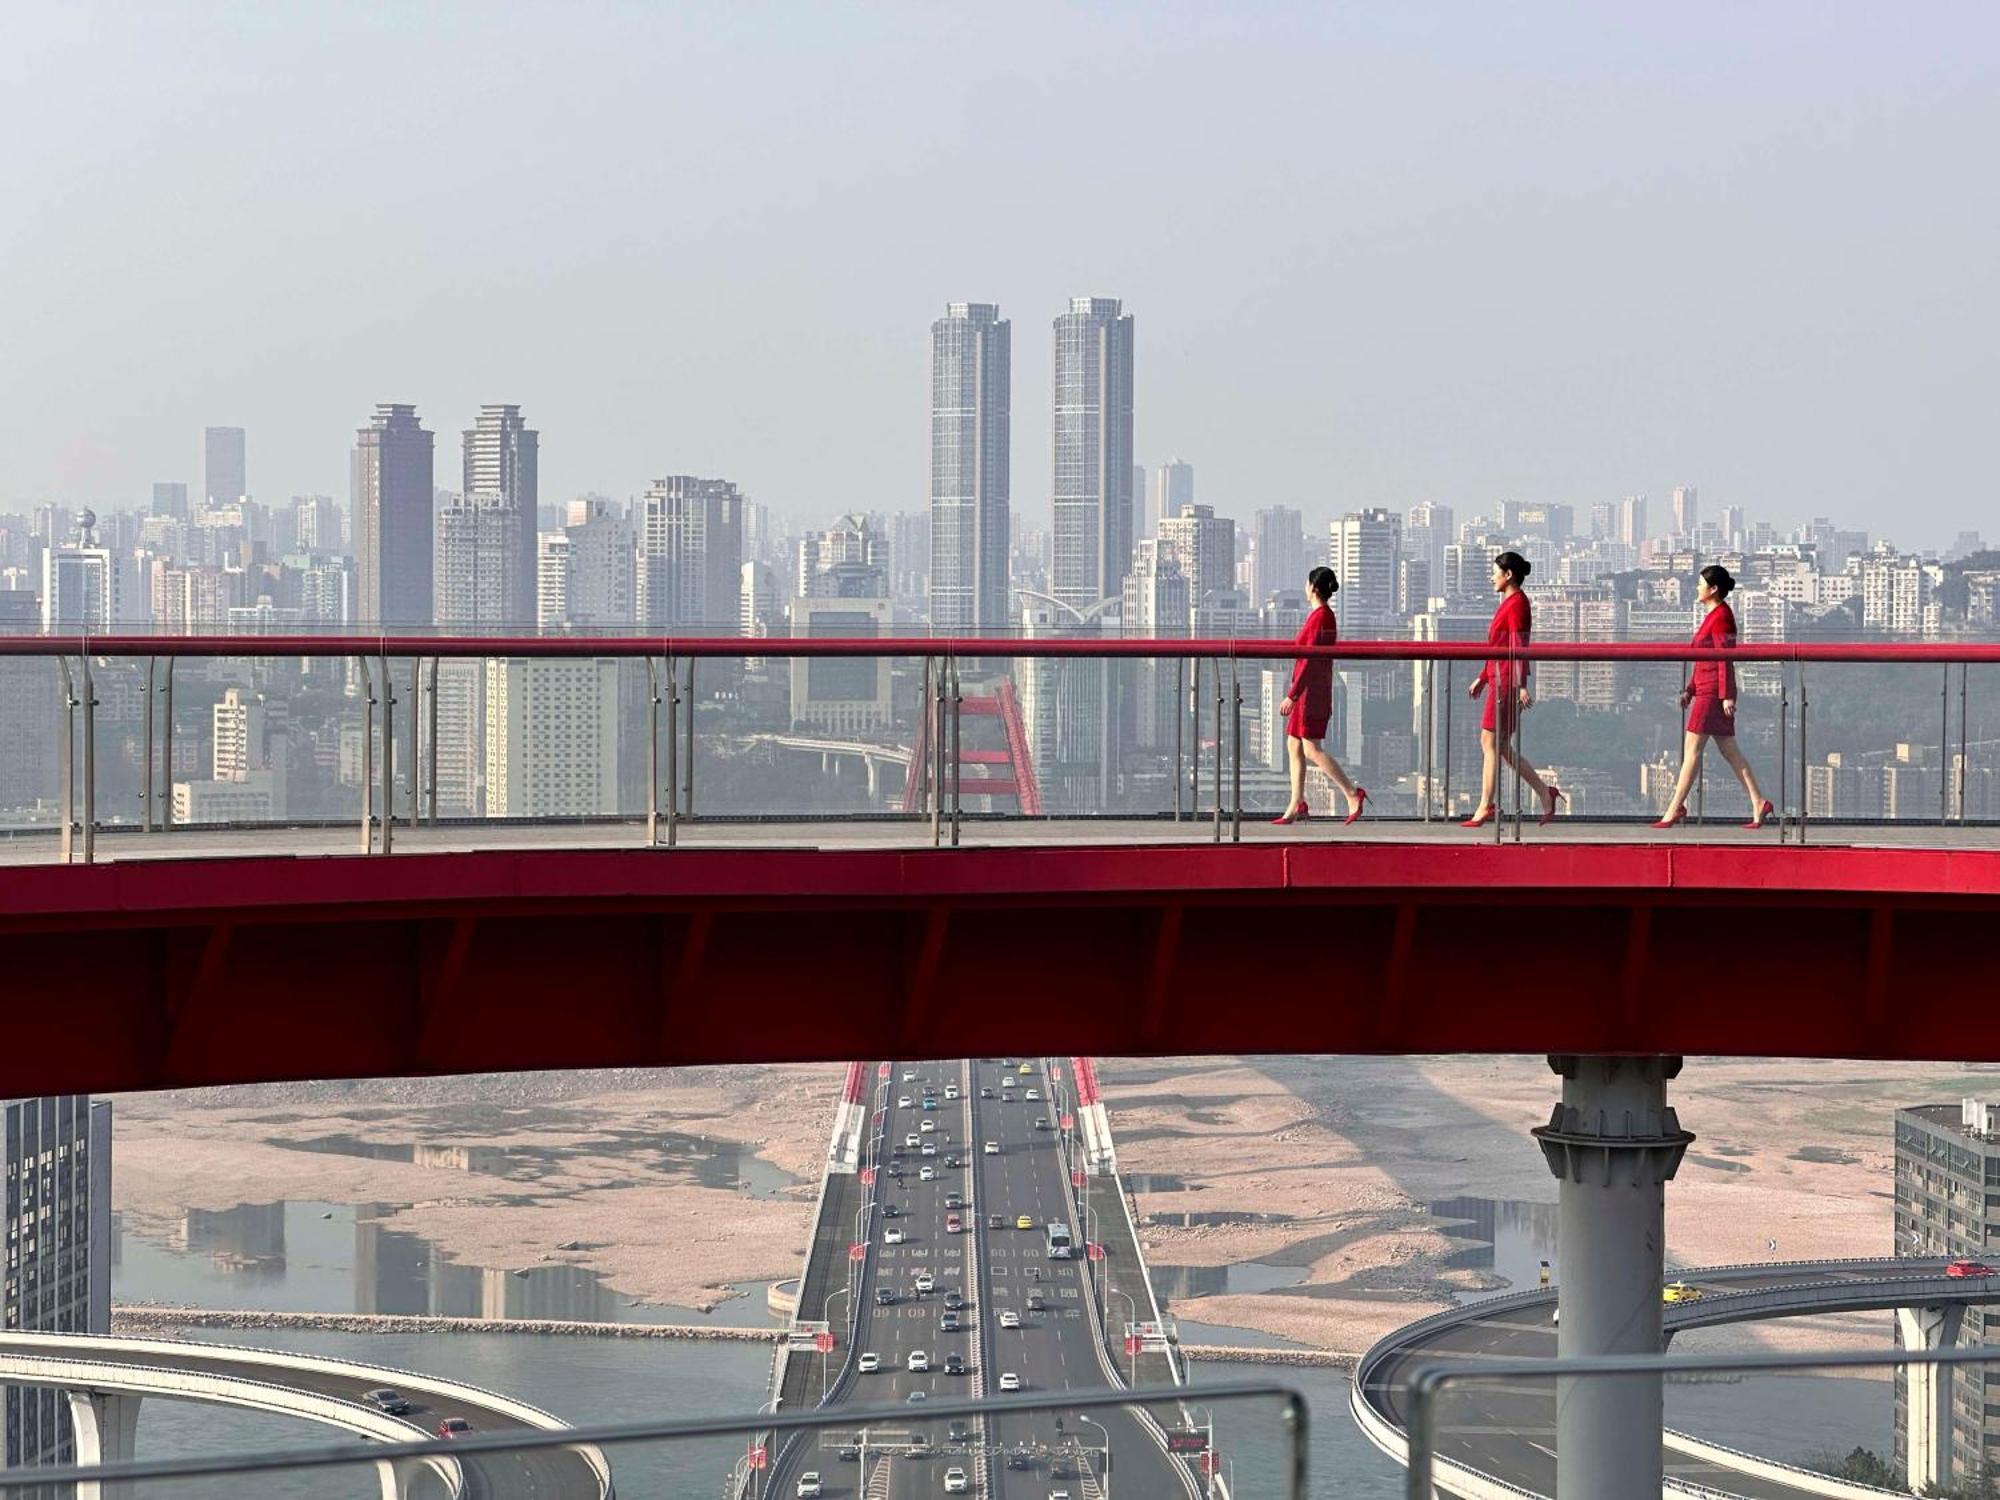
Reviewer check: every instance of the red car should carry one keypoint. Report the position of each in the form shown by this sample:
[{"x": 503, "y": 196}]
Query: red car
[
  {"x": 953, "y": 1224},
  {"x": 454, "y": 1427},
  {"x": 1966, "y": 1268}
]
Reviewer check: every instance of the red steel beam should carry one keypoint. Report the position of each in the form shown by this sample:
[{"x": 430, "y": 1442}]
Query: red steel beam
[{"x": 153, "y": 974}]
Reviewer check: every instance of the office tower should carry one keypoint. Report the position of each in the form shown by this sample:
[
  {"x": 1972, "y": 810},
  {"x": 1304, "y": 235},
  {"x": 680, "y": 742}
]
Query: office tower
[
  {"x": 1427, "y": 531},
  {"x": 690, "y": 567},
  {"x": 58, "y": 1275},
  {"x": 1592, "y": 613},
  {"x": 239, "y": 745},
  {"x": 602, "y": 562},
  {"x": 1159, "y": 604},
  {"x": 910, "y": 558},
  {"x": 170, "y": 499},
  {"x": 1092, "y": 452},
  {"x": 552, "y": 557},
  {"x": 760, "y": 600},
  {"x": 1632, "y": 521},
  {"x": 1537, "y": 520},
  {"x": 1686, "y": 518},
  {"x": 849, "y": 560},
  {"x": 1603, "y": 521},
  {"x": 1363, "y": 548},
  {"x": 1279, "y": 560},
  {"x": 1413, "y": 585},
  {"x": 1734, "y": 528},
  {"x": 1173, "y": 487},
  {"x": 837, "y": 695},
  {"x": 80, "y": 583},
  {"x": 391, "y": 509},
  {"x": 460, "y": 685},
  {"x": 1202, "y": 545},
  {"x": 551, "y": 738},
  {"x": 316, "y": 524},
  {"x": 972, "y": 373},
  {"x": 224, "y": 479},
  {"x": 1068, "y": 710},
  {"x": 28, "y": 698},
  {"x": 475, "y": 571},
  {"x": 501, "y": 458}
]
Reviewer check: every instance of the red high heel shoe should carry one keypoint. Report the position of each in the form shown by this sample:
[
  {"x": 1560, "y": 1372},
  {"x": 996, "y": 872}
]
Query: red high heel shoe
[
  {"x": 1680, "y": 816},
  {"x": 1764, "y": 816},
  {"x": 1551, "y": 796},
  {"x": 1478, "y": 819},
  {"x": 1360, "y": 802},
  {"x": 1299, "y": 814}
]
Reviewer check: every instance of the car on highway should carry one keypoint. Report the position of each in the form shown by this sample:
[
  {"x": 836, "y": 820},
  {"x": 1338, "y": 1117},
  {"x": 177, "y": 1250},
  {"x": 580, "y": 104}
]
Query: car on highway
[
  {"x": 849, "y": 1453},
  {"x": 909, "y": 1075},
  {"x": 954, "y": 1200},
  {"x": 1058, "y": 1495},
  {"x": 885, "y": 1296},
  {"x": 1969, "y": 1268},
  {"x": 912, "y": 1139},
  {"x": 996, "y": 1221},
  {"x": 892, "y": 1211},
  {"x": 951, "y": 1091},
  {"x": 930, "y": 1102},
  {"x": 927, "y": 1173},
  {"x": 1041, "y": 1122},
  {"x": 929, "y": 1148},
  {"x": 1035, "y": 1302},
  {"x": 809, "y": 1485},
  {"x": 1010, "y": 1319},
  {"x": 904, "y": 1101},
  {"x": 893, "y": 1235},
  {"x": 954, "y": 1481},
  {"x": 869, "y": 1362},
  {"x": 954, "y": 1365},
  {"x": 1034, "y": 1096},
  {"x": 1024, "y": 1222},
  {"x": 986, "y": 1093},
  {"x": 1024, "y": 1070},
  {"x": 954, "y": 1299},
  {"x": 454, "y": 1427},
  {"x": 1021, "y": 1458},
  {"x": 948, "y": 1323},
  {"x": 952, "y": 1160},
  {"x": 953, "y": 1224},
  {"x": 918, "y": 1362},
  {"x": 1006, "y": 1083},
  {"x": 927, "y": 1127},
  {"x": 1010, "y": 1381},
  {"x": 915, "y": 1396},
  {"x": 1680, "y": 1291},
  {"x": 992, "y": 1148},
  {"x": 394, "y": 1402},
  {"x": 926, "y": 1282}
]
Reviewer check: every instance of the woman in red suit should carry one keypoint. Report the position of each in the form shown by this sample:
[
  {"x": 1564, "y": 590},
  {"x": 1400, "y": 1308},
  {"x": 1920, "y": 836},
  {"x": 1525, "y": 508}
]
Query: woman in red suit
[
  {"x": 1308, "y": 704},
  {"x": 1710, "y": 699},
  {"x": 1505, "y": 684}
]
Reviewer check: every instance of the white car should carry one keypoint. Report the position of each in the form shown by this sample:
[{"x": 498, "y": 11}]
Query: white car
[
  {"x": 909, "y": 1075},
  {"x": 954, "y": 1481},
  {"x": 1010, "y": 1381},
  {"x": 925, "y": 1281},
  {"x": 951, "y": 1091},
  {"x": 1007, "y": 1081},
  {"x": 918, "y": 1361},
  {"x": 893, "y": 1235},
  {"x": 911, "y": 1139},
  {"x": 903, "y": 1102},
  {"x": 869, "y": 1363},
  {"x": 929, "y": 1148},
  {"x": 992, "y": 1148},
  {"x": 1010, "y": 1320},
  {"x": 809, "y": 1485},
  {"x": 1034, "y": 1095},
  {"x": 927, "y": 1127},
  {"x": 927, "y": 1174}
]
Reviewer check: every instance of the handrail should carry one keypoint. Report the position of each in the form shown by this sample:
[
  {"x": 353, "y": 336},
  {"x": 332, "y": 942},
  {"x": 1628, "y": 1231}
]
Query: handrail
[{"x": 1154, "y": 649}]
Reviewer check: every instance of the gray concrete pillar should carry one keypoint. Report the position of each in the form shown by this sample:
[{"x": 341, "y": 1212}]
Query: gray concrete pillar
[
  {"x": 1613, "y": 1143},
  {"x": 1927, "y": 1413},
  {"x": 107, "y": 1427},
  {"x": 399, "y": 1477},
  {"x": 874, "y": 769}
]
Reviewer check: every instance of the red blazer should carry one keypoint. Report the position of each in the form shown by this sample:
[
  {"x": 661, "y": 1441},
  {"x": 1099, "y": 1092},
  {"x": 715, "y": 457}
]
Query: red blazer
[
  {"x": 1715, "y": 679},
  {"x": 1312, "y": 676},
  {"x": 1512, "y": 624}
]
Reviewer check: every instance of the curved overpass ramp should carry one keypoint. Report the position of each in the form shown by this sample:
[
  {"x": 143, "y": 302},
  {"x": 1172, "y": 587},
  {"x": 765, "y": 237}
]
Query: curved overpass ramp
[
  {"x": 1501, "y": 1439},
  {"x": 312, "y": 1387}
]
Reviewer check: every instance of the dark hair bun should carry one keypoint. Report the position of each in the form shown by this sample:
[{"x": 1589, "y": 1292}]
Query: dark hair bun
[
  {"x": 1514, "y": 566},
  {"x": 1324, "y": 582},
  {"x": 1719, "y": 578}
]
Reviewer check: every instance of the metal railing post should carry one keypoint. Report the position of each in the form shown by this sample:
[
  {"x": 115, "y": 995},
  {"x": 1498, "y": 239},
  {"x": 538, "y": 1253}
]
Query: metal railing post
[
  {"x": 1784, "y": 755},
  {"x": 89, "y": 765},
  {"x": 66, "y": 748},
  {"x": 367, "y": 757},
  {"x": 1428, "y": 677},
  {"x": 957, "y": 747},
  {"x": 1944, "y": 748},
  {"x": 432, "y": 770},
  {"x": 1194, "y": 732},
  {"x": 1805, "y": 788},
  {"x": 416, "y": 738},
  {"x": 146, "y": 796},
  {"x": 1520, "y": 717},
  {"x": 673, "y": 751},
  {"x": 688, "y": 789},
  {"x": 1180, "y": 690},
  {"x": 388, "y": 756},
  {"x": 1215, "y": 781},
  {"x": 1446, "y": 788},
  {"x": 1959, "y": 772},
  {"x": 935, "y": 708},
  {"x": 652, "y": 753},
  {"x": 167, "y": 749},
  {"x": 1235, "y": 754},
  {"x": 920, "y": 744}
]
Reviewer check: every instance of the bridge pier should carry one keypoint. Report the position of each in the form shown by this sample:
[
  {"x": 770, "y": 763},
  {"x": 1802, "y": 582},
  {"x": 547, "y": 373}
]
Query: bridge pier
[
  {"x": 106, "y": 1424},
  {"x": 1927, "y": 1411},
  {"x": 1613, "y": 1143}
]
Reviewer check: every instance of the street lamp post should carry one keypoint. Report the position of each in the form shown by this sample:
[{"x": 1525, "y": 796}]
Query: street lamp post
[{"x": 1105, "y": 1451}]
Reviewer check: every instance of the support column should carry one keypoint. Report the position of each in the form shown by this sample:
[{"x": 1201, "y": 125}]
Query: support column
[
  {"x": 106, "y": 1426},
  {"x": 1927, "y": 1411},
  {"x": 398, "y": 1477},
  {"x": 1613, "y": 1143}
]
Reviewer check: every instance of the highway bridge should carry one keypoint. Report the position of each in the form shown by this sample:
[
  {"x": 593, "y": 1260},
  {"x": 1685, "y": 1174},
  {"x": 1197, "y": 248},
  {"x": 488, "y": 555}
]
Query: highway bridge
[
  {"x": 106, "y": 1379},
  {"x": 1498, "y": 1440}
]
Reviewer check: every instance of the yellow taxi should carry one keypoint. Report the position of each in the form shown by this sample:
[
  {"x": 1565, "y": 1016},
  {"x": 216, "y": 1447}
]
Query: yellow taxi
[
  {"x": 1024, "y": 1222},
  {"x": 1024, "y": 1070},
  {"x": 1680, "y": 1291}
]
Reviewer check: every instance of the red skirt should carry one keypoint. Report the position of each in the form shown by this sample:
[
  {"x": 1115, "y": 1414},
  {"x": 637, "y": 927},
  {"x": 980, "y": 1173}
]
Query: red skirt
[
  {"x": 1705, "y": 716},
  {"x": 1307, "y": 720},
  {"x": 1492, "y": 711}
]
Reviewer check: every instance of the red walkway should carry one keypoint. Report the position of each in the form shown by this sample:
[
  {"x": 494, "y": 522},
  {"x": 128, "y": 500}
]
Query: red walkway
[{"x": 145, "y": 974}]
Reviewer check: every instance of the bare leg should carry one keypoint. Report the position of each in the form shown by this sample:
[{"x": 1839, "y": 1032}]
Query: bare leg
[
  {"x": 1740, "y": 764},
  {"x": 1489, "y": 772},
  {"x": 1295, "y": 764},
  {"x": 1530, "y": 778},
  {"x": 1691, "y": 748},
  {"x": 1318, "y": 756}
]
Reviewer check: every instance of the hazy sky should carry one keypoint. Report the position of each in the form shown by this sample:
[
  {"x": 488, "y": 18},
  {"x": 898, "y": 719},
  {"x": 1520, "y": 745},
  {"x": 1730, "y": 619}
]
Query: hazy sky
[{"x": 1376, "y": 254}]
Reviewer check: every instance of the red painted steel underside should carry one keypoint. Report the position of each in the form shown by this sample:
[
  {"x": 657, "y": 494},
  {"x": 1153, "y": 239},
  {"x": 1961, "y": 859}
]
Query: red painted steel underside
[{"x": 155, "y": 974}]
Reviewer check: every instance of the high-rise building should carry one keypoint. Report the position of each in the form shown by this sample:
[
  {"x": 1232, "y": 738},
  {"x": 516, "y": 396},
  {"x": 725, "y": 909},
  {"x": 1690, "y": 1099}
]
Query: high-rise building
[
  {"x": 392, "y": 519},
  {"x": 1278, "y": 555},
  {"x": 690, "y": 555},
  {"x": 170, "y": 499},
  {"x": 80, "y": 583},
  {"x": 841, "y": 695},
  {"x": 224, "y": 477},
  {"x": 1092, "y": 452},
  {"x": 1158, "y": 605},
  {"x": 551, "y": 738},
  {"x": 602, "y": 562},
  {"x": 239, "y": 744},
  {"x": 760, "y": 600},
  {"x": 502, "y": 457},
  {"x": 1363, "y": 548},
  {"x": 476, "y": 579},
  {"x": 1202, "y": 545},
  {"x": 848, "y": 560},
  {"x": 972, "y": 372},
  {"x": 57, "y": 1152},
  {"x": 1173, "y": 487},
  {"x": 1632, "y": 521},
  {"x": 1603, "y": 521},
  {"x": 1069, "y": 710},
  {"x": 316, "y": 524},
  {"x": 552, "y": 555},
  {"x": 1687, "y": 518}
]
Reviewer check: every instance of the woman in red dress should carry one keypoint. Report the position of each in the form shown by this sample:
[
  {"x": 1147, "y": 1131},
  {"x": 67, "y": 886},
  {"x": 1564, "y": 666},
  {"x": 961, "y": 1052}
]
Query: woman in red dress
[
  {"x": 1505, "y": 684},
  {"x": 1710, "y": 699},
  {"x": 1308, "y": 704}
]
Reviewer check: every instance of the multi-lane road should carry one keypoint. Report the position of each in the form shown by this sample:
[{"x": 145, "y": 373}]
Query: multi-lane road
[{"x": 980, "y": 1309}]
